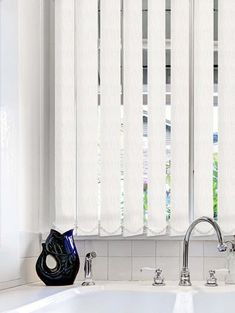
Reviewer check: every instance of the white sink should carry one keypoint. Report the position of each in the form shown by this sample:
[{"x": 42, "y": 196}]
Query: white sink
[
  {"x": 104, "y": 300},
  {"x": 128, "y": 297}
]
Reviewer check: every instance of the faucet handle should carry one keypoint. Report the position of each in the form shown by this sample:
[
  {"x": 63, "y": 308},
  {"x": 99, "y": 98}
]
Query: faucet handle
[
  {"x": 158, "y": 280},
  {"x": 211, "y": 280},
  {"x": 146, "y": 268}
]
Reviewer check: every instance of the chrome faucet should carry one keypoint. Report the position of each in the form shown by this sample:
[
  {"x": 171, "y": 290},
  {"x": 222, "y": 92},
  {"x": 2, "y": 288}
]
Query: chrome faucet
[
  {"x": 88, "y": 277},
  {"x": 158, "y": 280},
  {"x": 185, "y": 274}
]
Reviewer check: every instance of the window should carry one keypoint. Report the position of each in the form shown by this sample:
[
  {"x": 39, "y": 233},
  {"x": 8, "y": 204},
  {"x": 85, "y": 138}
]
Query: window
[{"x": 141, "y": 141}]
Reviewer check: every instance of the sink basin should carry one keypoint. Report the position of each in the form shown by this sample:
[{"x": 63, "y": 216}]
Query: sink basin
[
  {"x": 104, "y": 300},
  {"x": 214, "y": 302},
  {"x": 134, "y": 297}
]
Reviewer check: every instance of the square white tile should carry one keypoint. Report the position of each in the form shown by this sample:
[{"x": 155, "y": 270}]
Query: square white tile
[
  {"x": 169, "y": 266},
  {"x": 100, "y": 268},
  {"x": 99, "y": 246},
  {"x": 210, "y": 249},
  {"x": 196, "y": 268},
  {"x": 119, "y": 268},
  {"x": 143, "y": 248},
  {"x": 195, "y": 248},
  {"x": 119, "y": 248},
  {"x": 80, "y": 245},
  {"x": 80, "y": 275},
  {"x": 138, "y": 263},
  {"x": 167, "y": 248},
  {"x": 27, "y": 270},
  {"x": 30, "y": 245},
  {"x": 213, "y": 263}
]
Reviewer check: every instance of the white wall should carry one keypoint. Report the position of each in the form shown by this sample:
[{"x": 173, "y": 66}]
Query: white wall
[
  {"x": 9, "y": 114},
  {"x": 25, "y": 115},
  {"x": 30, "y": 98},
  {"x": 34, "y": 87}
]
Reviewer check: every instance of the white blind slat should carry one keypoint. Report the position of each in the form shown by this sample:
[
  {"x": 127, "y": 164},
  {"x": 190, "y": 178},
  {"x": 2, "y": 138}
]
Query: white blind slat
[
  {"x": 65, "y": 143},
  {"x": 110, "y": 121},
  {"x": 87, "y": 116},
  {"x": 156, "y": 118},
  {"x": 133, "y": 120},
  {"x": 226, "y": 54},
  {"x": 179, "y": 116},
  {"x": 203, "y": 112}
]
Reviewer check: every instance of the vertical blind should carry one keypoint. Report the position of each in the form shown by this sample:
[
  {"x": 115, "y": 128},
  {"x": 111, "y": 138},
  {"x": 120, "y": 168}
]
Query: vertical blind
[
  {"x": 110, "y": 117},
  {"x": 133, "y": 111},
  {"x": 65, "y": 123},
  {"x": 179, "y": 116},
  {"x": 156, "y": 118},
  {"x": 226, "y": 56},
  {"x": 113, "y": 115},
  {"x": 203, "y": 111},
  {"x": 86, "y": 101}
]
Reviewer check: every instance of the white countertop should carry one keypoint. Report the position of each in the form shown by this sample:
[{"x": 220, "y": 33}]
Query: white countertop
[
  {"x": 15, "y": 297},
  {"x": 19, "y": 296}
]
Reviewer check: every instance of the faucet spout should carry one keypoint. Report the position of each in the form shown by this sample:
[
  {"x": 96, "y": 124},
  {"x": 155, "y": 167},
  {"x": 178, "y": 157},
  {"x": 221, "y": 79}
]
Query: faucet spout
[{"x": 185, "y": 274}]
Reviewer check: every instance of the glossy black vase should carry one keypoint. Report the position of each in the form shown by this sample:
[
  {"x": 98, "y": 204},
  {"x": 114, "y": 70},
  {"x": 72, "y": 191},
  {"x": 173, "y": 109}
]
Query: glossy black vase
[{"x": 62, "y": 248}]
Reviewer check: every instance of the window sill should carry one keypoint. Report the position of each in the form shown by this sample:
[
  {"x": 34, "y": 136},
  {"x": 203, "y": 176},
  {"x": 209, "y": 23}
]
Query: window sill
[{"x": 144, "y": 237}]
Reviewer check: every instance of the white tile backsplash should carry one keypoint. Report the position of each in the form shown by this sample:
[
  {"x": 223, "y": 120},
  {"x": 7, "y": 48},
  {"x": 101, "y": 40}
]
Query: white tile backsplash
[{"x": 122, "y": 259}]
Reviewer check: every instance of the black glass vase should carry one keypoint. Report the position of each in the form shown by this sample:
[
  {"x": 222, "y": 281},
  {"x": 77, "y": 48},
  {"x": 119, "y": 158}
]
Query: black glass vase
[{"x": 62, "y": 248}]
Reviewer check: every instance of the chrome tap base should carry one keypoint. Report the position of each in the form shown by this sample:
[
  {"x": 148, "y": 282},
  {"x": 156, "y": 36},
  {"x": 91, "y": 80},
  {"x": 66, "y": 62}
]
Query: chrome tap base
[
  {"x": 211, "y": 284},
  {"x": 88, "y": 283},
  {"x": 157, "y": 284},
  {"x": 185, "y": 278}
]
